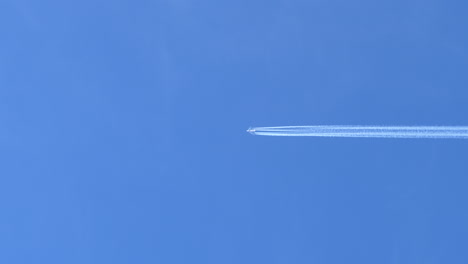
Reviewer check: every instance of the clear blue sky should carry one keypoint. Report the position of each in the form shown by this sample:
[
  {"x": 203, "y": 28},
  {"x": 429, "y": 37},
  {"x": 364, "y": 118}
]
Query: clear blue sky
[{"x": 122, "y": 131}]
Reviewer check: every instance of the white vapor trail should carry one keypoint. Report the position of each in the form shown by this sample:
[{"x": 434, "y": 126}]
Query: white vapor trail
[{"x": 458, "y": 132}]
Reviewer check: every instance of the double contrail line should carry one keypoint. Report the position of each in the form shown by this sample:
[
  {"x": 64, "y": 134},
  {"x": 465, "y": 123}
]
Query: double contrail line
[{"x": 455, "y": 132}]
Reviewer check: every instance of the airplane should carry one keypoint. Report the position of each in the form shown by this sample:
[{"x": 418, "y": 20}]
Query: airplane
[{"x": 251, "y": 130}]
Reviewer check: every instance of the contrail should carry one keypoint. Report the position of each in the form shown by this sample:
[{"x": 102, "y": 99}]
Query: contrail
[{"x": 457, "y": 132}]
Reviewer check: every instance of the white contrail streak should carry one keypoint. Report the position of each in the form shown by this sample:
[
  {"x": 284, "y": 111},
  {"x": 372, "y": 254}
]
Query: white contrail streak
[{"x": 460, "y": 132}]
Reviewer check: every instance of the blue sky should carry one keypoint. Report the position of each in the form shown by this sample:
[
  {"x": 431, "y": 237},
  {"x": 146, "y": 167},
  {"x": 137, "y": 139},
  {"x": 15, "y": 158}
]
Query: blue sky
[{"x": 123, "y": 131}]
